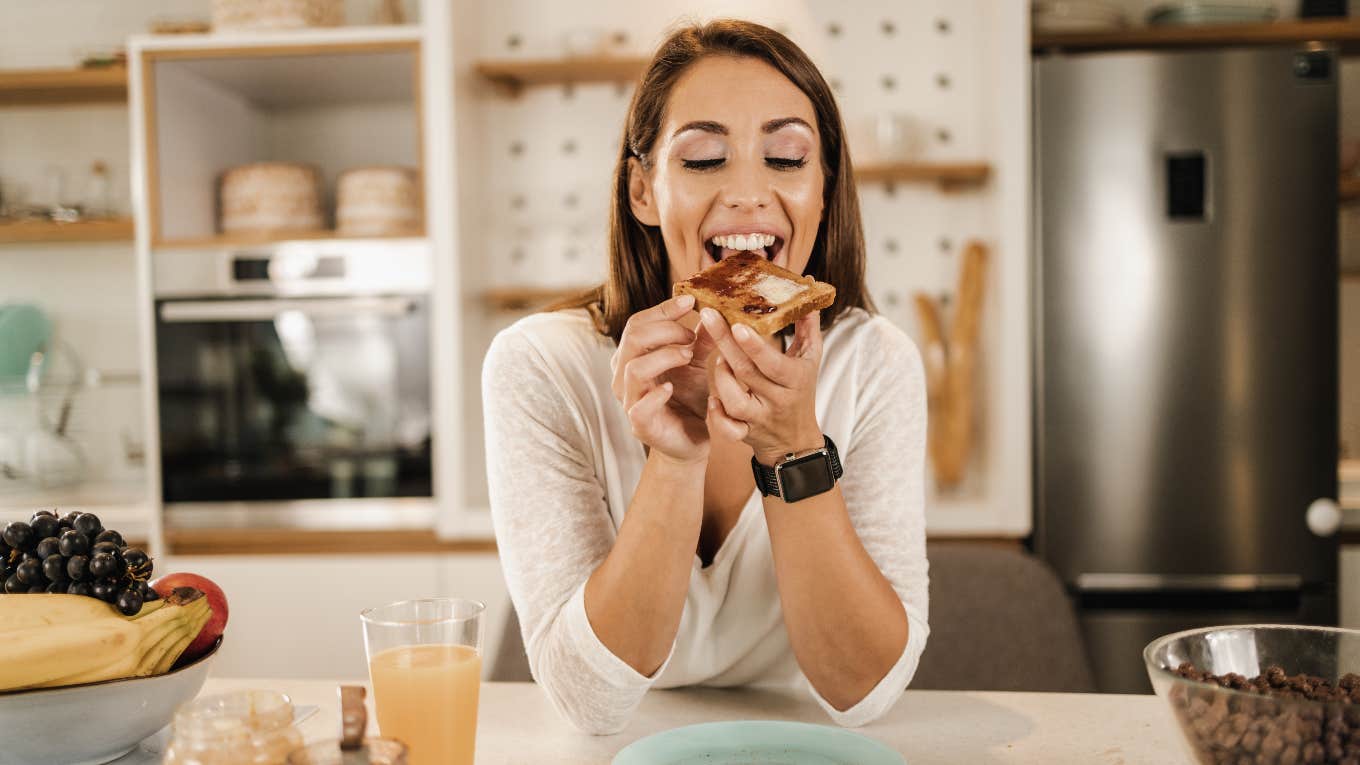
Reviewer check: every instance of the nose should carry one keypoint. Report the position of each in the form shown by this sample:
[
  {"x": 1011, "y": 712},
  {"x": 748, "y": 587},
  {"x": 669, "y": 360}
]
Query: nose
[{"x": 746, "y": 188}]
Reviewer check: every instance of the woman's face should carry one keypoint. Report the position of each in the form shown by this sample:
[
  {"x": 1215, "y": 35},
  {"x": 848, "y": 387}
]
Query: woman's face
[{"x": 737, "y": 166}]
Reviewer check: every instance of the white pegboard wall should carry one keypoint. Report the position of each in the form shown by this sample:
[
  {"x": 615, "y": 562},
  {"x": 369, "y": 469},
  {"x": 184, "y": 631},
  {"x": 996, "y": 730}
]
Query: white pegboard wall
[{"x": 550, "y": 152}]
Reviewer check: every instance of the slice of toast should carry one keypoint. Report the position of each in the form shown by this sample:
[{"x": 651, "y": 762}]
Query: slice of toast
[{"x": 747, "y": 289}]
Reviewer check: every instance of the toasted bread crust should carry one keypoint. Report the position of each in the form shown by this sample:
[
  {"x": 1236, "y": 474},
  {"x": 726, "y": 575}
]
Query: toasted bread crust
[{"x": 726, "y": 288}]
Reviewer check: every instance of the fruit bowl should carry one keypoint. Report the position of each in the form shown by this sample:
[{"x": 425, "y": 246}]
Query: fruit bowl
[
  {"x": 1231, "y": 724},
  {"x": 95, "y": 722}
]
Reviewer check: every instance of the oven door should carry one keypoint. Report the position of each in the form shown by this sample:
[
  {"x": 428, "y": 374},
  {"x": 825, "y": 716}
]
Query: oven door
[{"x": 274, "y": 399}]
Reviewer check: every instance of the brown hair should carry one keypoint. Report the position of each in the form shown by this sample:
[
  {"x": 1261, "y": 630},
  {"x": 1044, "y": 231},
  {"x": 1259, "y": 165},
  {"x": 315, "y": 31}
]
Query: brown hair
[{"x": 639, "y": 273}]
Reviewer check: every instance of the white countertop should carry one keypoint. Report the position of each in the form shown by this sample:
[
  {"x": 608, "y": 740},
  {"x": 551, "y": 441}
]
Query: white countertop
[{"x": 517, "y": 725}]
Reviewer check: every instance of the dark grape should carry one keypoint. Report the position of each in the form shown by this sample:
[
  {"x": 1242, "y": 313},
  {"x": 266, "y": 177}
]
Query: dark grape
[
  {"x": 78, "y": 567},
  {"x": 137, "y": 562},
  {"x": 129, "y": 602},
  {"x": 44, "y": 526},
  {"x": 88, "y": 524},
  {"x": 54, "y": 568},
  {"x": 109, "y": 535},
  {"x": 105, "y": 590},
  {"x": 103, "y": 547},
  {"x": 56, "y": 588},
  {"x": 37, "y": 589},
  {"x": 13, "y": 586},
  {"x": 80, "y": 588},
  {"x": 48, "y": 547},
  {"x": 69, "y": 519},
  {"x": 74, "y": 543},
  {"x": 41, "y": 513},
  {"x": 17, "y": 534},
  {"x": 102, "y": 565},
  {"x": 30, "y": 573},
  {"x": 147, "y": 592}
]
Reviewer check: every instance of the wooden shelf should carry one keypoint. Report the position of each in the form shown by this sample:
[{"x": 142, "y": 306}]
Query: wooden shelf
[
  {"x": 112, "y": 230},
  {"x": 235, "y": 541},
  {"x": 273, "y": 237},
  {"x": 515, "y": 75},
  {"x": 528, "y": 298},
  {"x": 1345, "y": 33},
  {"x": 30, "y": 87},
  {"x": 947, "y": 175}
]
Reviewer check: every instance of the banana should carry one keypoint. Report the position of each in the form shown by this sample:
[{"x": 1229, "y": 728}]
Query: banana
[
  {"x": 43, "y": 610},
  {"x": 37, "y": 650}
]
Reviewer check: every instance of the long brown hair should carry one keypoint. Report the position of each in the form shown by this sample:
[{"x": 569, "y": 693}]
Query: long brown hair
[{"x": 639, "y": 272}]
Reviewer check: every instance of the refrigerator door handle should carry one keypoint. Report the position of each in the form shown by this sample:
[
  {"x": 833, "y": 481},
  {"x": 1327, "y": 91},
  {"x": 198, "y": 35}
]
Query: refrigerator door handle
[{"x": 1097, "y": 582}]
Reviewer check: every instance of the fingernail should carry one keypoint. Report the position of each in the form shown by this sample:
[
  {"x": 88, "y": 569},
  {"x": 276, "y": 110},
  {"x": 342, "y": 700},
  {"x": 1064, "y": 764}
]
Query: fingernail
[
  {"x": 687, "y": 353},
  {"x": 685, "y": 302},
  {"x": 743, "y": 332},
  {"x": 708, "y": 315},
  {"x": 668, "y": 387}
]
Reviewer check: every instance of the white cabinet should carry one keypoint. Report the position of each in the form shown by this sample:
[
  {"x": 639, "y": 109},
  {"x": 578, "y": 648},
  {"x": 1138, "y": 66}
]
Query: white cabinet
[{"x": 298, "y": 615}]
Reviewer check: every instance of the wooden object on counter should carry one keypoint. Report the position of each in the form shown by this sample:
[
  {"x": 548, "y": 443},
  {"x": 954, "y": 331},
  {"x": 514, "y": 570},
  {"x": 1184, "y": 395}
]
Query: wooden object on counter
[
  {"x": 286, "y": 541},
  {"x": 109, "y": 230},
  {"x": 950, "y": 359},
  {"x": 513, "y": 75},
  {"x": 949, "y": 176},
  {"x": 1350, "y": 189},
  {"x": 1345, "y": 33},
  {"x": 45, "y": 87}
]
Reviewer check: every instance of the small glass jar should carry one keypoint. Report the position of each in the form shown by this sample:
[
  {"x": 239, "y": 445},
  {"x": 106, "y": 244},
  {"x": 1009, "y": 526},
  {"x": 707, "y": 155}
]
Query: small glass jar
[{"x": 238, "y": 728}]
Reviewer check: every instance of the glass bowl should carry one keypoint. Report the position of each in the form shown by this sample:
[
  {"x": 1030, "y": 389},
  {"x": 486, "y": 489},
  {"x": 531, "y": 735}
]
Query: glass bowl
[{"x": 1221, "y": 724}]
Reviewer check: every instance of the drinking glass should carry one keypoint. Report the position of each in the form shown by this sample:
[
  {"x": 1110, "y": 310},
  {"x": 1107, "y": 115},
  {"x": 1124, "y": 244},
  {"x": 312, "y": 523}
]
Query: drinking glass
[{"x": 425, "y": 665}]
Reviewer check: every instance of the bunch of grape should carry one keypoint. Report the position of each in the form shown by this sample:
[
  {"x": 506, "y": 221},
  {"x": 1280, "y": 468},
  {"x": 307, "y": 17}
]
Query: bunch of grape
[{"x": 74, "y": 554}]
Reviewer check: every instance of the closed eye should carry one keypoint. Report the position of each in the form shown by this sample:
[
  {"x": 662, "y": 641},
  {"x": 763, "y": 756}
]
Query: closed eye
[
  {"x": 702, "y": 164},
  {"x": 785, "y": 163}
]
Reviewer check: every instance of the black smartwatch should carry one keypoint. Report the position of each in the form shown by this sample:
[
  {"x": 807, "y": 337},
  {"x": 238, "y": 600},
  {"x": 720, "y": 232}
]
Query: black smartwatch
[{"x": 799, "y": 476}]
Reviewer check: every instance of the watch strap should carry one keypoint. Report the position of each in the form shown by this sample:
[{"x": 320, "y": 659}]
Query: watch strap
[{"x": 767, "y": 478}]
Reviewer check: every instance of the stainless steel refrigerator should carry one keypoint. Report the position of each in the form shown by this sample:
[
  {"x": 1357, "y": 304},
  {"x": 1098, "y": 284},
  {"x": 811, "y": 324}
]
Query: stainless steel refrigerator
[{"x": 1185, "y": 341}]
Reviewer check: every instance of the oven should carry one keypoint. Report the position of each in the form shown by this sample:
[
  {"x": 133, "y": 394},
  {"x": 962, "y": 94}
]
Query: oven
[{"x": 293, "y": 374}]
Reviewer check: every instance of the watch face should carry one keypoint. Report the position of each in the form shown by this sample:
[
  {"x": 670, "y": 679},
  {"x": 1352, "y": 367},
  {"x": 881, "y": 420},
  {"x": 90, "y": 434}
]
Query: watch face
[{"x": 805, "y": 477}]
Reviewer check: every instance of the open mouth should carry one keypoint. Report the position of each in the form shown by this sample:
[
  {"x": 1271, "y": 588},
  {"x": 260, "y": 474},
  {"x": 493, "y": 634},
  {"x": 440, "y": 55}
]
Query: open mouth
[{"x": 723, "y": 247}]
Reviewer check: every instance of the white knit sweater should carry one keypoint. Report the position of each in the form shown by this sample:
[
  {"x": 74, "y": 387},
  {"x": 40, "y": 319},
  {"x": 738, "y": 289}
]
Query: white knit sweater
[{"x": 563, "y": 465}]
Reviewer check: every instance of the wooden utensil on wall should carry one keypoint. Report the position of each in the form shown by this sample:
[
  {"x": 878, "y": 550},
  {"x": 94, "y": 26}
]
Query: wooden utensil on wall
[{"x": 950, "y": 362}]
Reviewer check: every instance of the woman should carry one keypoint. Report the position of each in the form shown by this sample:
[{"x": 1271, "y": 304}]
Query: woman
[{"x": 621, "y": 430}]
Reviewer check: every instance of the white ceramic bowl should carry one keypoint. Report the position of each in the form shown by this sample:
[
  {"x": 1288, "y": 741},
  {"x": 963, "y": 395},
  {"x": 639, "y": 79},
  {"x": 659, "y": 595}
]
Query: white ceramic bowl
[{"x": 96, "y": 722}]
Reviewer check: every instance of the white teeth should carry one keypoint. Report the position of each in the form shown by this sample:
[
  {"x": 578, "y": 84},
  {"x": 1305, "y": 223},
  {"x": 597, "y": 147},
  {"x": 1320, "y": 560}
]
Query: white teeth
[{"x": 744, "y": 241}]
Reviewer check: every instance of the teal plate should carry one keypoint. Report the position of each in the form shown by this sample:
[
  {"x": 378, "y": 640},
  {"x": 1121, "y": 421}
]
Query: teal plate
[{"x": 757, "y": 743}]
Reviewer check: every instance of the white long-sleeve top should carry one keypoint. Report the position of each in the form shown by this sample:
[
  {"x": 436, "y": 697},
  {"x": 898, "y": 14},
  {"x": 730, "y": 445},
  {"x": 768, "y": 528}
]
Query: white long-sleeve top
[{"x": 563, "y": 465}]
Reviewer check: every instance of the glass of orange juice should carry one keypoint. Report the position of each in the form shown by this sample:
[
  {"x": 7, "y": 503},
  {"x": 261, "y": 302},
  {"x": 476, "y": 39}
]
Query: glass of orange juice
[{"x": 425, "y": 663}]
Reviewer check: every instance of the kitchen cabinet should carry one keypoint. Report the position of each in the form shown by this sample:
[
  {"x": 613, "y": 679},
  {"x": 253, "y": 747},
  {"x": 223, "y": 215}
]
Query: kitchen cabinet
[{"x": 297, "y": 616}]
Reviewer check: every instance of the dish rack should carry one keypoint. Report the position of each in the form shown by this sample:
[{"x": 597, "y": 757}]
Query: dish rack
[{"x": 43, "y": 416}]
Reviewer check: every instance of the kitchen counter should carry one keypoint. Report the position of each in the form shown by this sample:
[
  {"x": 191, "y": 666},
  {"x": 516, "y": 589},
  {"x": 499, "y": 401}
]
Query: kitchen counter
[{"x": 517, "y": 725}]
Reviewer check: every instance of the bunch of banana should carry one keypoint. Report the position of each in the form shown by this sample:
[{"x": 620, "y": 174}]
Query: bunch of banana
[{"x": 52, "y": 640}]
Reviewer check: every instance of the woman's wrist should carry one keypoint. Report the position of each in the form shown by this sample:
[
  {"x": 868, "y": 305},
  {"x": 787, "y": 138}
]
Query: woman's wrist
[
  {"x": 806, "y": 440},
  {"x": 678, "y": 464}
]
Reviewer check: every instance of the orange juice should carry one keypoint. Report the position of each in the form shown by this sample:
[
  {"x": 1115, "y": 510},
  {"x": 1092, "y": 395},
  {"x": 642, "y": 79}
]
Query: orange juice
[{"x": 426, "y": 697}]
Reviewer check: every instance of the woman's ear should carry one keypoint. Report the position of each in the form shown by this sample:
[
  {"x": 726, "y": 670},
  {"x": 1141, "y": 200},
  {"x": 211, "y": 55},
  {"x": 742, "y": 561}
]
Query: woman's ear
[{"x": 640, "y": 197}]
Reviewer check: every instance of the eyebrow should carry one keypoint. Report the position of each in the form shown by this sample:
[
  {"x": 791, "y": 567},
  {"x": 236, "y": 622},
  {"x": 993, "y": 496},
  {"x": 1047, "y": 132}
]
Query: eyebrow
[{"x": 709, "y": 126}]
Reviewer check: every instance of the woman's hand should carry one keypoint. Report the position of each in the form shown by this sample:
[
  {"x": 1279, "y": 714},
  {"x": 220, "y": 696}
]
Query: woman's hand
[
  {"x": 654, "y": 346},
  {"x": 761, "y": 396}
]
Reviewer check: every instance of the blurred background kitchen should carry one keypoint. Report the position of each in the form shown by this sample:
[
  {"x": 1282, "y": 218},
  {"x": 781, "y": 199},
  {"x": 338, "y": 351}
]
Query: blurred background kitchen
[{"x": 252, "y": 252}]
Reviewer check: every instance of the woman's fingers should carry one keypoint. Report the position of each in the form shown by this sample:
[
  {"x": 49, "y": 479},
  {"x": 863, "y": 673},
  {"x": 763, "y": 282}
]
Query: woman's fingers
[
  {"x": 743, "y": 366},
  {"x": 807, "y": 338},
  {"x": 771, "y": 363},
  {"x": 640, "y": 374},
  {"x": 720, "y": 422},
  {"x": 737, "y": 401},
  {"x": 644, "y": 412}
]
